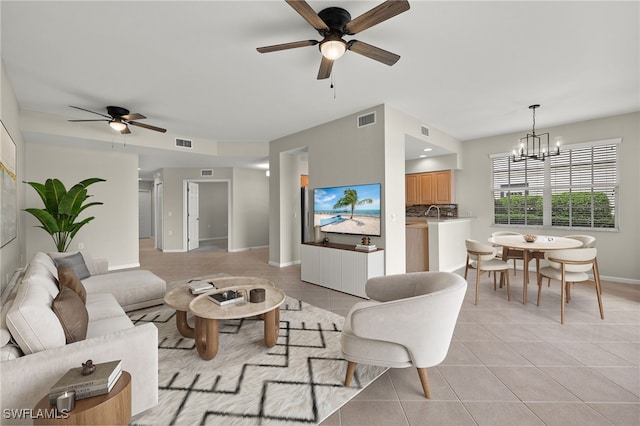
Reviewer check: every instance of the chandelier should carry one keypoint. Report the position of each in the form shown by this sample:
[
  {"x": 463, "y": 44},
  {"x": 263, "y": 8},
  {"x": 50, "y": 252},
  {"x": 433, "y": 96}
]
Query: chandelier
[{"x": 534, "y": 146}]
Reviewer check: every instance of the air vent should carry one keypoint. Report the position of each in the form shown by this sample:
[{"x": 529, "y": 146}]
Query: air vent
[
  {"x": 184, "y": 143},
  {"x": 206, "y": 172},
  {"x": 367, "y": 119},
  {"x": 424, "y": 130}
]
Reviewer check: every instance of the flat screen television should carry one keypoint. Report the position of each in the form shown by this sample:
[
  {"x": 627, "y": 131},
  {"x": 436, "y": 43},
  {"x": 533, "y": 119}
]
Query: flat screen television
[{"x": 353, "y": 209}]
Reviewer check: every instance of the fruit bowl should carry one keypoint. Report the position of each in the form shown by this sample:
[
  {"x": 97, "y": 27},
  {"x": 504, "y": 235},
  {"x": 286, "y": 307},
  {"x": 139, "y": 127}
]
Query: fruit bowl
[{"x": 529, "y": 238}]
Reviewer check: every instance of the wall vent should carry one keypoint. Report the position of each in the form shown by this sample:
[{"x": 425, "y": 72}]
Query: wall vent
[
  {"x": 206, "y": 172},
  {"x": 184, "y": 143},
  {"x": 367, "y": 119},
  {"x": 424, "y": 130}
]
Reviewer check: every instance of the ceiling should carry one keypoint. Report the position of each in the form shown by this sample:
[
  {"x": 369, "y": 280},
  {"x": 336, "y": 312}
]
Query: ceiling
[{"x": 469, "y": 69}]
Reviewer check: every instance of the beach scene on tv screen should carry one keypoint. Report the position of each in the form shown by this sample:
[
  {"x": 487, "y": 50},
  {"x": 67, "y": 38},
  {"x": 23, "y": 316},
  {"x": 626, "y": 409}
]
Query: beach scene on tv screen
[{"x": 351, "y": 209}]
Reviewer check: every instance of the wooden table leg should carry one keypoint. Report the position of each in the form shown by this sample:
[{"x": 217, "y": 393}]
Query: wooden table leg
[
  {"x": 206, "y": 337},
  {"x": 183, "y": 326},
  {"x": 525, "y": 277},
  {"x": 271, "y": 327}
]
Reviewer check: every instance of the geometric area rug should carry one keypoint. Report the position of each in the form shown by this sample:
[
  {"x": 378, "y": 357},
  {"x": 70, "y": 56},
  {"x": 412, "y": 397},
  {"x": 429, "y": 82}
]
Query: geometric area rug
[{"x": 298, "y": 381}]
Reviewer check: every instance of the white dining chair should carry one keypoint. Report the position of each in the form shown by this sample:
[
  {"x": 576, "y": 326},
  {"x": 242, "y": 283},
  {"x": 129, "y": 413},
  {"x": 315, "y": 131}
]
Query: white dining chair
[
  {"x": 482, "y": 257},
  {"x": 571, "y": 266},
  {"x": 507, "y": 253},
  {"x": 587, "y": 242}
]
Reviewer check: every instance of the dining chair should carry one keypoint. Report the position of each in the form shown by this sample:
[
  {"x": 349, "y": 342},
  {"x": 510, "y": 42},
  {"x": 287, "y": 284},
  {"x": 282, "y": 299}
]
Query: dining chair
[
  {"x": 482, "y": 257},
  {"x": 587, "y": 242},
  {"x": 571, "y": 266},
  {"x": 511, "y": 253}
]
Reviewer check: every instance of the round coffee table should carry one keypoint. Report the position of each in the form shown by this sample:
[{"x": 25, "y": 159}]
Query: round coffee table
[
  {"x": 207, "y": 315},
  {"x": 180, "y": 297}
]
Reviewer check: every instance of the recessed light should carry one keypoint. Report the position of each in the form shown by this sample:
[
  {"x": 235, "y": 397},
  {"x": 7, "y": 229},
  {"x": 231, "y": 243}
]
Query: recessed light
[
  {"x": 428, "y": 149},
  {"x": 422, "y": 156}
]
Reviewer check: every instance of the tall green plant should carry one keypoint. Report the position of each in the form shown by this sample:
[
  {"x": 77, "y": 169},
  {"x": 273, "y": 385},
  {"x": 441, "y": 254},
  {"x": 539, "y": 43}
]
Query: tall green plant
[{"x": 61, "y": 209}]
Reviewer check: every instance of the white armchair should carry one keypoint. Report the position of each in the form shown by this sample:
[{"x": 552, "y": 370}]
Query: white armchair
[{"x": 409, "y": 322}]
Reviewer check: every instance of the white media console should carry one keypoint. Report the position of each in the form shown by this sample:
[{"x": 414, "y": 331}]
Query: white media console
[{"x": 340, "y": 266}]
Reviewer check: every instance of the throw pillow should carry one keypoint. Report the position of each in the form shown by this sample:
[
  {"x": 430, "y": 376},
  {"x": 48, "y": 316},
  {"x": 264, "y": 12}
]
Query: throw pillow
[
  {"x": 72, "y": 314},
  {"x": 76, "y": 262},
  {"x": 68, "y": 278}
]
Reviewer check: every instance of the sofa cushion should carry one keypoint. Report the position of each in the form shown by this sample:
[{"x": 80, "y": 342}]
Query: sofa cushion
[
  {"x": 72, "y": 313},
  {"x": 68, "y": 278},
  {"x": 103, "y": 305},
  {"x": 30, "y": 319},
  {"x": 76, "y": 262},
  {"x": 130, "y": 288}
]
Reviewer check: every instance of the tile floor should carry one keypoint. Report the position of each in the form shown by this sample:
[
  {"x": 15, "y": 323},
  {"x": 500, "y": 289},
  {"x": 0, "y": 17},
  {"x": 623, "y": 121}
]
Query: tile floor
[{"x": 508, "y": 364}]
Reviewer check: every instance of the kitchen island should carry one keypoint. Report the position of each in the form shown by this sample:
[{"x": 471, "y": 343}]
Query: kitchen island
[{"x": 446, "y": 247}]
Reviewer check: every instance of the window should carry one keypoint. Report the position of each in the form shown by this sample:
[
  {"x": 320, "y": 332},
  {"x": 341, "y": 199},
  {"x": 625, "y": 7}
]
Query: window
[{"x": 576, "y": 189}]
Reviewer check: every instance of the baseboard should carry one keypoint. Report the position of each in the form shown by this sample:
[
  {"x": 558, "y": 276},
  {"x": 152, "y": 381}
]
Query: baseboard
[
  {"x": 246, "y": 249},
  {"x": 284, "y": 265}
]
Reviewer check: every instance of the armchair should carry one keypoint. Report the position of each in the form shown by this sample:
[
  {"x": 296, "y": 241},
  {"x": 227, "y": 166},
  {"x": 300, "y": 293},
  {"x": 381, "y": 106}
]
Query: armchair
[{"x": 409, "y": 322}]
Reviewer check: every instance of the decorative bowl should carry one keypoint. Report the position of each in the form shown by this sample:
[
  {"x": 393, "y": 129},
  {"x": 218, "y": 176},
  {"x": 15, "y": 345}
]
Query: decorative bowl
[{"x": 529, "y": 238}]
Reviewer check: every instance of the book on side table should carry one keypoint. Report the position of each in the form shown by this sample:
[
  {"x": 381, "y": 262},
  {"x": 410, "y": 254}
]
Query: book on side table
[
  {"x": 199, "y": 287},
  {"x": 100, "y": 382}
]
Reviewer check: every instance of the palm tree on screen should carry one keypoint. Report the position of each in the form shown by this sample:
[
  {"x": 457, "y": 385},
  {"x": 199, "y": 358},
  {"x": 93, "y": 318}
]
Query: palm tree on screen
[{"x": 350, "y": 198}]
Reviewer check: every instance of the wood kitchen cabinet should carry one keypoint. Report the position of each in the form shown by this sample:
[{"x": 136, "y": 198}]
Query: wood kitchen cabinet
[{"x": 429, "y": 188}]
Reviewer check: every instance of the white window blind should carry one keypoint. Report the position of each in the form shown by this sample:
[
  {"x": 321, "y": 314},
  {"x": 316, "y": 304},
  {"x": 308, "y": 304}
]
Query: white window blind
[{"x": 580, "y": 185}]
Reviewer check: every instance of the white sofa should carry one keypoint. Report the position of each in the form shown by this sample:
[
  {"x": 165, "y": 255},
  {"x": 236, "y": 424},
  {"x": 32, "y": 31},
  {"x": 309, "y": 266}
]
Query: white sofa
[{"x": 34, "y": 350}]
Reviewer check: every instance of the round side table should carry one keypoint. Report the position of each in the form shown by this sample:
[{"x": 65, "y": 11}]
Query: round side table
[{"x": 113, "y": 408}]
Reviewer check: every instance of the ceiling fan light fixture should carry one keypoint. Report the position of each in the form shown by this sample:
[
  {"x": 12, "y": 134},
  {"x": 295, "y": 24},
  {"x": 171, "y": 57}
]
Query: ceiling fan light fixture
[
  {"x": 333, "y": 48},
  {"x": 117, "y": 125}
]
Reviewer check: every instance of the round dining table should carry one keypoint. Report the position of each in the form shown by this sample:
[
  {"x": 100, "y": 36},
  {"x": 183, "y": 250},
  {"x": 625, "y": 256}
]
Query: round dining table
[{"x": 541, "y": 244}]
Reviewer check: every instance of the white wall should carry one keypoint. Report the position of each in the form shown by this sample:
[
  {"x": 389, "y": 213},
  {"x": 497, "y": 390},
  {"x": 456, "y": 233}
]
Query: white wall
[
  {"x": 12, "y": 255},
  {"x": 113, "y": 233},
  {"x": 214, "y": 210},
  {"x": 618, "y": 252}
]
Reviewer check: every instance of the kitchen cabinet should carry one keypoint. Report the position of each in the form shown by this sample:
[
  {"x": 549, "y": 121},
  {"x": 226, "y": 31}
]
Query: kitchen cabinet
[
  {"x": 340, "y": 267},
  {"x": 429, "y": 188}
]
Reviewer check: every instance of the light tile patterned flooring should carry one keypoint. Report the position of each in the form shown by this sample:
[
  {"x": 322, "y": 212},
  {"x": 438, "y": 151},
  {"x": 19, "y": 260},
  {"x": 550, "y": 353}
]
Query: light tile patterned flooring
[{"x": 508, "y": 364}]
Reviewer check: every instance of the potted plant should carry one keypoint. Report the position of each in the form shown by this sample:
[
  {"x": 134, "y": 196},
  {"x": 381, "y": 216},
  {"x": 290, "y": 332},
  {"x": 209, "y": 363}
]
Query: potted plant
[{"x": 61, "y": 209}]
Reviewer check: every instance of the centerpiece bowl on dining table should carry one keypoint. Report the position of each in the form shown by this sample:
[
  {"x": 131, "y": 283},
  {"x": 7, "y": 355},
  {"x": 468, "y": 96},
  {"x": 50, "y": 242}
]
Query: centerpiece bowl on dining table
[{"x": 529, "y": 238}]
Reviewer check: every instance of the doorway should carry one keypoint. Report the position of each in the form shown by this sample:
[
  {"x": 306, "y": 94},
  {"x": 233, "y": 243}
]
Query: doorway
[{"x": 211, "y": 230}]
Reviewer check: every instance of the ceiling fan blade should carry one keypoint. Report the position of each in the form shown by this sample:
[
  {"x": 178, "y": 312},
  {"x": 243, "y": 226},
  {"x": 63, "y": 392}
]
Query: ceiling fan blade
[
  {"x": 93, "y": 112},
  {"x": 147, "y": 126},
  {"x": 325, "y": 68},
  {"x": 373, "y": 52},
  {"x": 310, "y": 15},
  {"x": 133, "y": 116},
  {"x": 284, "y": 46},
  {"x": 378, "y": 14},
  {"x": 97, "y": 119}
]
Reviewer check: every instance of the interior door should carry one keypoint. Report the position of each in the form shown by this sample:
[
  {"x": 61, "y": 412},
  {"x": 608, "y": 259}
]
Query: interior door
[
  {"x": 193, "y": 216},
  {"x": 159, "y": 222}
]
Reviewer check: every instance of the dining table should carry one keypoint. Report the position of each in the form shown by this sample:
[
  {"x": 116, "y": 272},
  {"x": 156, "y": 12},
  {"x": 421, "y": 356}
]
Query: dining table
[{"x": 541, "y": 243}]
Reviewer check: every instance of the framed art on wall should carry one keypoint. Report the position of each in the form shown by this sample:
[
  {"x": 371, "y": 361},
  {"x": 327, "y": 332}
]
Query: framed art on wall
[{"x": 8, "y": 188}]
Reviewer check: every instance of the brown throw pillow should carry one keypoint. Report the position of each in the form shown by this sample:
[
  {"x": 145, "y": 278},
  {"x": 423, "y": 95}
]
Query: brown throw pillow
[
  {"x": 72, "y": 314},
  {"x": 68, "y": 278}
]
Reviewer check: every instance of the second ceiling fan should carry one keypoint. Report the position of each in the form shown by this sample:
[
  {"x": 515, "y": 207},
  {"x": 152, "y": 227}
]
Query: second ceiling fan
[{"x": 333, "y": 24}]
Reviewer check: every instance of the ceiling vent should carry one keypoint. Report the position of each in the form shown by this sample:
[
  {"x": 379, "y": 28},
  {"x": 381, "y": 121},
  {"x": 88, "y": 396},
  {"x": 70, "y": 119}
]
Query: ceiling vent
[
  {"x": 184, "y": 143},
  {"x": 424, "y": 130},
  {"x": 206, "y": 172},
  {"x": 367, "y": 119}
]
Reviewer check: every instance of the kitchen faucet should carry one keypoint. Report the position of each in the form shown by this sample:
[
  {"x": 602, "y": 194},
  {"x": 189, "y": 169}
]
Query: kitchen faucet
[{"x": 429, "y": 209}]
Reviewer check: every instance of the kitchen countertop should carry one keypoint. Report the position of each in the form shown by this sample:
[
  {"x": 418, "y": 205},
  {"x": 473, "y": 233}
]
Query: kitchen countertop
[{"x": 414, "y": 220}]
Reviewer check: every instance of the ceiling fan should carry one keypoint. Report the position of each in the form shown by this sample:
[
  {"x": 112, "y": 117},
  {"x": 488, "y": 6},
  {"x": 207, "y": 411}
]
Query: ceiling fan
[
  {"x": 119, "y": 118},
  {"x": 333, "y": 24}
]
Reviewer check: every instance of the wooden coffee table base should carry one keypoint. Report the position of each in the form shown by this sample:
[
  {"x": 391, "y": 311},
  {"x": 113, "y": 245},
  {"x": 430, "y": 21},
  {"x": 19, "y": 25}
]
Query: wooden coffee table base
[
  {"x": 207, "y": 335},
  {"x": 183, "y": 326}
]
